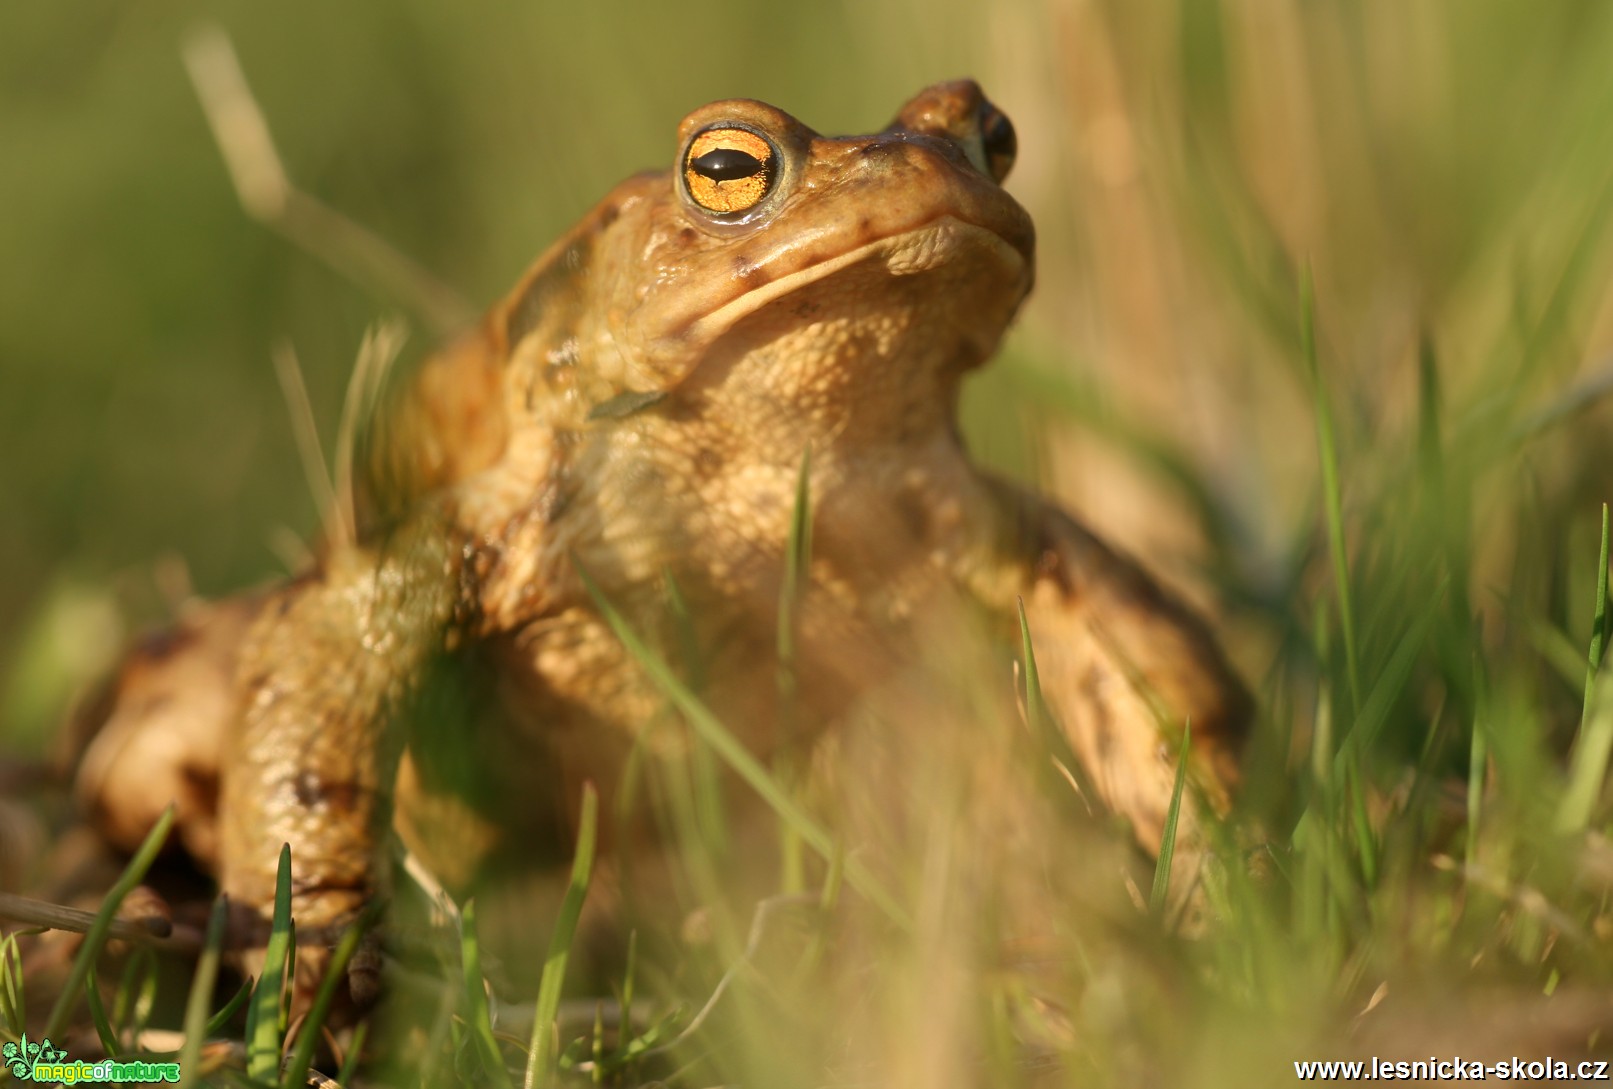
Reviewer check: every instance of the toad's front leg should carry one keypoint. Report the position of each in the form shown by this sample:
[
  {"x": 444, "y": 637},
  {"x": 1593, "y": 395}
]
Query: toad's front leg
[
  {"x": 1122, "y": 666},
  {"x": 311, "y": 763}
]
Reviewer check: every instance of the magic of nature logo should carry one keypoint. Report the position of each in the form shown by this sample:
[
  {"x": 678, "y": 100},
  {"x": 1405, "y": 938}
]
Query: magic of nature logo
[{"x": 30, "y": 1060}]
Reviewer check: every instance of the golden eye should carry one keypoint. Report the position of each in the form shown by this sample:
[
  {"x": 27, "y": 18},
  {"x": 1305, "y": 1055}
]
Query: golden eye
[{"x": 728, "y": 170}]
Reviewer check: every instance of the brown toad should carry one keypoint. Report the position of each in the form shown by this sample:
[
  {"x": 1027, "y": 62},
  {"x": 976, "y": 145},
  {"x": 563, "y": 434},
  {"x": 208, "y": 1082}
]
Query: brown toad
[{"x": 639, "y": 408}]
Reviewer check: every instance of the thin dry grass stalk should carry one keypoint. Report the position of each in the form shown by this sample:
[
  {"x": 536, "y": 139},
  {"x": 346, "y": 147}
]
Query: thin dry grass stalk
[{"x": 267, "y": 194}]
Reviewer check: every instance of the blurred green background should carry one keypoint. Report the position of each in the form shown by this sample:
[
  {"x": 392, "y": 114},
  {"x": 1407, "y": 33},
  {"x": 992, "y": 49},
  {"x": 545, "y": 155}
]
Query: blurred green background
[{"x": 1443, "y": 167}]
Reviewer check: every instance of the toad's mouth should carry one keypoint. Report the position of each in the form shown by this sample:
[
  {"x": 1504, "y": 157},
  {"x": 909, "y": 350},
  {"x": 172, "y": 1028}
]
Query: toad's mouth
[{"x": 987, "y": 264}]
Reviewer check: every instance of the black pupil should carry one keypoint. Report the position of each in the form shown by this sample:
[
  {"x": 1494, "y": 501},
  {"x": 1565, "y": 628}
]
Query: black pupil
[{"x": 726, "y": 164}]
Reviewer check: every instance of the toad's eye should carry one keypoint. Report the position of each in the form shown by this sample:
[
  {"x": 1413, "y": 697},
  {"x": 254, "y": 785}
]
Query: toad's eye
[
  {"x": 728, "y": 170},
  {"x": 998, "y": 141}
]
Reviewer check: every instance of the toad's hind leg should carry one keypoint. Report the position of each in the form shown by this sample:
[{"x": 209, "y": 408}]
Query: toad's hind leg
[
  {"x": 156, "y": 732},
  {"x": 1122, "y": 667}
]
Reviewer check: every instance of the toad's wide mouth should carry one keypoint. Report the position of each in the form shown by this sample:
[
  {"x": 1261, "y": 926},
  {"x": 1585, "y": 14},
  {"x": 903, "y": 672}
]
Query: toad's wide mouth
[{"x": 999, "y": 266}]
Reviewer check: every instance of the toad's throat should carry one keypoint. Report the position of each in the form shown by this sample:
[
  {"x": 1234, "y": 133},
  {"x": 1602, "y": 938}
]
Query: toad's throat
[{"x": 921, "y": 249}]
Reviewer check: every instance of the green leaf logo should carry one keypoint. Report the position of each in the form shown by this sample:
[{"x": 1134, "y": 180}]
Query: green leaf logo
[{"x": 19, "y": 1059}]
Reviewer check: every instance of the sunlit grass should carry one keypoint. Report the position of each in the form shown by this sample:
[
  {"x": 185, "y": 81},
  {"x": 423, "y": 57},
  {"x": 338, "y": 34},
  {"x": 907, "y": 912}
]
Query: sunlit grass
[{"x": 1329, "y": 286}]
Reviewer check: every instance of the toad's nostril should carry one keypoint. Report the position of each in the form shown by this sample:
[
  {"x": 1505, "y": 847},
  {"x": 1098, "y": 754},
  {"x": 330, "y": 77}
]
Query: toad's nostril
[{"x": 883, "y": 154}]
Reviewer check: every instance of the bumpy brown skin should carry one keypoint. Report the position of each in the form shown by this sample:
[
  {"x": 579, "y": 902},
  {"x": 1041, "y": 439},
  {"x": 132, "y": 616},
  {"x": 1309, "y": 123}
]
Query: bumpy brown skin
[{"x": 839, "y": 318}]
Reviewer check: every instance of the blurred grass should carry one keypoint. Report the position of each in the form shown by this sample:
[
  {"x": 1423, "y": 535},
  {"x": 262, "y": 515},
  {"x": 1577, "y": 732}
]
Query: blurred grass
[{"x": 1445, "y": 172}]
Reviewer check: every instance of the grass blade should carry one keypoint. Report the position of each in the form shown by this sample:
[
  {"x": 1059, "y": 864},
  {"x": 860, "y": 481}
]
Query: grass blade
[
  {"x": 197, "y": 1024},
  {"x": 1048, "y": 385},
  {"x": 296, "y": 1073},
  {"x": 1372, "y": 716},
  {"x": 1055, "y": 746},
  {"x": 710, "y": 813},
  {"x": 1167, "y": 842},
  {"x": 1554, "y": 320},
  {"x": 625, "y": 999},
  {"x": 1366, "y": 840},
  {"x": 1332, "y": 500},
  {"x": 1476, "y": 762},
  {"x": 737, "y": 757},
  {"x": 541, "y": 1054},
  {"x": 797, "y": 571},
  {"x": 355, "y": 1049},
  {"x": 1587, "y": 766},
  {"x": 797, "y": 576},
  {"x": 132, "y": 875},
  {"x": 216, "y": 1023},
  {"x": 11, "y": 1000},
  {"x": 137, "y": 991},
  {"x": 103, "y": 1027},
  {"x": 263, "y": 1039},
  {"x": 476, "y": 1014},
  {"x": 1035, "y": 709},
  {"x": 1598, "y": 623},
  {"x": 1588, "y": 770}
]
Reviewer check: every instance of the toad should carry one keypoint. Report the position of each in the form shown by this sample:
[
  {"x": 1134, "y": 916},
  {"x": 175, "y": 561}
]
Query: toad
[{"x": 636, "y": 414}]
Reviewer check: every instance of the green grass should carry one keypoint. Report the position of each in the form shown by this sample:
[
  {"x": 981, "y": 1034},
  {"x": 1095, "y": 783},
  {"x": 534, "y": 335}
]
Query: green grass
[
  {"x": 198, "y": 1025},
  {"x": 1159, "y": 894},
  {"x": 266, "y": 1015},
  {"x": 541, "y": 1050},
  {"x": 1320, "y": 330},
  {"x": 95, "y": 938}
]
